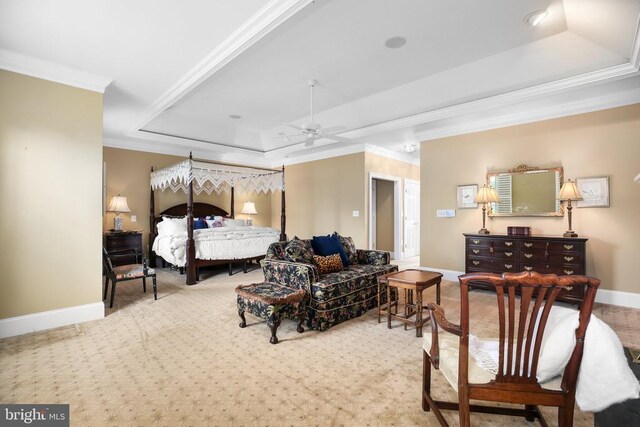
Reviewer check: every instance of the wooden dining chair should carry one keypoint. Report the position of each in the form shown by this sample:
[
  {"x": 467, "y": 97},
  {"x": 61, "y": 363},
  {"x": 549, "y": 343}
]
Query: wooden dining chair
[
  {"x": 121, "y": 273},
  {"x": 521, "y": 324}
]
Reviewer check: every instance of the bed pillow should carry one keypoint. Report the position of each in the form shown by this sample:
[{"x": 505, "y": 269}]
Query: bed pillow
[
  {"x": 328, "y": 264},
  {"x": 234, "y": 223},
  {"x": 349, "y": 248},
  {"x": 299, "y": 251},
  {"x": 172, "y": 226},
  {"x": 199, "y": 224},
  {"x": 329, "y": 245}
]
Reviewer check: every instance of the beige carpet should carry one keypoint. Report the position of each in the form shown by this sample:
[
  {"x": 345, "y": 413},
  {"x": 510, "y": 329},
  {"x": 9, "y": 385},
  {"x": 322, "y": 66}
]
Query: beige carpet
[{"x": 183, "y": 360}]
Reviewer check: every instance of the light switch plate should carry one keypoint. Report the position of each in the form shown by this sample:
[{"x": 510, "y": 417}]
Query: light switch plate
[
  {"x": 134, "y": 218},
  {"x": 356, "y": 213},
  {"x": 445, "y": 213}
]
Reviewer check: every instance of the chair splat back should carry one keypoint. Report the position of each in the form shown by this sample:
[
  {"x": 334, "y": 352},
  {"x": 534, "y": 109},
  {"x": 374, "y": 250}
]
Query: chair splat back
[{"x": 522, "y": 321}]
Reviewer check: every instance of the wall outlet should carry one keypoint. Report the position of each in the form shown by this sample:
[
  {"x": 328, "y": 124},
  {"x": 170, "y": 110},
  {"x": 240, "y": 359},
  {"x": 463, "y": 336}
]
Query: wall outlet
[
  {"x": 445, "y": 213},
  {"x": 356, "y": 213},
  {"x": 134, "y": 218}
]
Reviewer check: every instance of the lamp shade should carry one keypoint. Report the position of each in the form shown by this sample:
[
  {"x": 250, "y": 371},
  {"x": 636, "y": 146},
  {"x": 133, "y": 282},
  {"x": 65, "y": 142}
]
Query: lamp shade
[
  {"x": 569, "y": 191},
  {"x": 249, "y": 208},
  {"x": 118, "y": 204},
  {"x": 487, "y": 195}
]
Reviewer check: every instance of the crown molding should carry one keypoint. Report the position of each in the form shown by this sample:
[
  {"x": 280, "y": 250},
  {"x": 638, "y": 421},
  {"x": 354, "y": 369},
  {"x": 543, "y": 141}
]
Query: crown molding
[
  {"x": 274, "y": 13},
  {"x": 472, "y": 125},
  {"x": 30, "y": 66},
  {"x": 596, "y": 77},
  {"x": 391, "y": 154}
]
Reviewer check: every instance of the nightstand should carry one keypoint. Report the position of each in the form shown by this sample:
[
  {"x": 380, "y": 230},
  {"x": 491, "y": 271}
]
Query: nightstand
[{"x": 114, "y": 241}]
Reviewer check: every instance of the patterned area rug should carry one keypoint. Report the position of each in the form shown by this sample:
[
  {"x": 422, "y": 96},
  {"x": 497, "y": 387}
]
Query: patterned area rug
[{"x": 183, "y": 360}]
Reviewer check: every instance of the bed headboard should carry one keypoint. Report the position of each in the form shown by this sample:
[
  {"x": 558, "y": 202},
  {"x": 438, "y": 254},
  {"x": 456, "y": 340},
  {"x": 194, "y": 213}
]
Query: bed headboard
[{"x": 199, "y": 210}]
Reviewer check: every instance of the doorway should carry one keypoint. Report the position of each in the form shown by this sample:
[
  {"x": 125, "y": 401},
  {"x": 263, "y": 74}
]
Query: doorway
[{"x": 385, "y": 214}]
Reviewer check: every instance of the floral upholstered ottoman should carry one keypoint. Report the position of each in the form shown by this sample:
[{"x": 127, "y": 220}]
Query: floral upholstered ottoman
[{"x": 271, "y": 302}]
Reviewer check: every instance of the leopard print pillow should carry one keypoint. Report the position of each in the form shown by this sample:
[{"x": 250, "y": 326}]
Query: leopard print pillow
[{"x": 328, "y": 264}]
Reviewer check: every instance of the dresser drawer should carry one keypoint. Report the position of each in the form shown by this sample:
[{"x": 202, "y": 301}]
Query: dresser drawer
[
  {"x": 533, "y": 245},
  {"x": 487, "y": 242},
  {"x": 492, "y": 265},
  {"x": 549, "y": 257},
  {"x": 492, "y": 253},
  {"x": 560, "y": 270}
]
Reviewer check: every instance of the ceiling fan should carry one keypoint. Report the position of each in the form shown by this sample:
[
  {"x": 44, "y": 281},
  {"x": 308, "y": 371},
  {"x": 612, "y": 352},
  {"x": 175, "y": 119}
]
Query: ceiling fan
[{"x": 312, "y": 131}]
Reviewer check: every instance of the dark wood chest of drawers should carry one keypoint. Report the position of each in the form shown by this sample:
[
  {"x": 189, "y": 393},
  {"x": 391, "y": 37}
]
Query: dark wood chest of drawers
[
  {"x": 499, "y": 253},
  {"x": 123, "y": 240}
]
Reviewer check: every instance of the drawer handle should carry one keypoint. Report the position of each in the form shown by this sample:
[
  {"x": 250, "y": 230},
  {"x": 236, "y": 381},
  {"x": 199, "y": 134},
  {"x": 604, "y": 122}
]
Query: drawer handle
[
  {"x": 508, "y": 243},
  {"x": 568, "y": 258},
  {"x": 508, "y": 253},
  {"x": 568, "y": 272},
  {"x": 528, "y": 268},
  {"x": 528, "y": 245},
  {"x": 475, "y": 242},
  {"x": 567, "y": 247},
  {"x": 475, "y": 251},
  {"x": 528, "y": 255},
  {"x": 508, "y": 266},
  {"x": 476, "y": 262}
]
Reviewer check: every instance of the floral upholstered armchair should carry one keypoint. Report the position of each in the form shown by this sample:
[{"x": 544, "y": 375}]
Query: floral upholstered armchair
[{"x": 332, "y": 297}]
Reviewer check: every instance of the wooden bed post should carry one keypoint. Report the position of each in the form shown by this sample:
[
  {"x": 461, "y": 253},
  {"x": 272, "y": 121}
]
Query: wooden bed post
[
  {"x": 191, "y": 247},
  {"x": 152, "y": 228},
  {"x": 283, "y": 216},
  {"x": 233, "y": 203}
]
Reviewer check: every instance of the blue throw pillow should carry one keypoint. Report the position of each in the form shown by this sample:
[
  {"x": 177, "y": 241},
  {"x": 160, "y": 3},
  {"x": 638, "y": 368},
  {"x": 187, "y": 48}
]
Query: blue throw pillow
[
  {"x": 329, "y": 245},
  {"x": 199, "y": 223}
]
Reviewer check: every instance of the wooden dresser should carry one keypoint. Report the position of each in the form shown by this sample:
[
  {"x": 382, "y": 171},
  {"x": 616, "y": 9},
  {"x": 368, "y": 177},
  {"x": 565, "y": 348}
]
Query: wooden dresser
[{"x": 499, "y": 253}]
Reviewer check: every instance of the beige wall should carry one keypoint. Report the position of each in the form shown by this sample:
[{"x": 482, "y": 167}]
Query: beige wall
[
  {"x": 384, "y": 212},
  {"x": 604, "y": 143},
  {"x": 322, "y": 195},
  {"x": 127, "y": 174},
  {"x": 50, "y": 203}
]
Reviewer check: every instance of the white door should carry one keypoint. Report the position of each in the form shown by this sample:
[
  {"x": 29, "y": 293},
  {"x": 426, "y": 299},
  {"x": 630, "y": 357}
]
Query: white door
[
  {"x": 374, "y": 215},
  {"x": 411, "y": 218}
]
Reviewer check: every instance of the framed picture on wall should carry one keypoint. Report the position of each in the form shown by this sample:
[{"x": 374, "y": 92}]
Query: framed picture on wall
[
  {"x": 594, "y": 191},
  {"x": 467, "y": 196}
]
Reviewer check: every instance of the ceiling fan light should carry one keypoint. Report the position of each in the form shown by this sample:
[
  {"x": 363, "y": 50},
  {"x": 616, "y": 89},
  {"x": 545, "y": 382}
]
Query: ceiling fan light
[
  {"x": 410, "y": 148},
  {"x": 534, "y": 18}
]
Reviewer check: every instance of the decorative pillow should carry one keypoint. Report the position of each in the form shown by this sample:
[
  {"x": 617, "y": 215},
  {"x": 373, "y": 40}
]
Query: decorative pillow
[
  {"x": 329, "y": 245},
  {"x": 328, "y": 264},
  {"x": 349, "y": 248},
  {"x": 199, "y": 223},
  {"x": 299, "y": 251},
  {"x": 213, "y": 223}
]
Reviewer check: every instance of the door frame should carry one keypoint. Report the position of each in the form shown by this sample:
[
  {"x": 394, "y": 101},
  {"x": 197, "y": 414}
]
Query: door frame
[
  {"x": 412, "y": 182},
  {"x": 398, "y": 217}
]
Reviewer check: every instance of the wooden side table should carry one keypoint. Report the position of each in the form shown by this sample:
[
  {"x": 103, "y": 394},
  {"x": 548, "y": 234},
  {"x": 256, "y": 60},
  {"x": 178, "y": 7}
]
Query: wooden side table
[
  {"x": 115, "y": 241},
  {"x": 412, "y": 281}
]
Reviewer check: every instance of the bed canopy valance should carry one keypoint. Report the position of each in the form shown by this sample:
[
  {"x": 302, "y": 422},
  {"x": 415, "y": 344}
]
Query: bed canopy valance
[
  {"x": 210, "y": 177},
  {"x": 193, "y": 176}
]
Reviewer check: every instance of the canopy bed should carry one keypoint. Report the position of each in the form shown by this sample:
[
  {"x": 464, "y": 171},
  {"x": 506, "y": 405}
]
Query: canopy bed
[{"x": 217, "y": 245}]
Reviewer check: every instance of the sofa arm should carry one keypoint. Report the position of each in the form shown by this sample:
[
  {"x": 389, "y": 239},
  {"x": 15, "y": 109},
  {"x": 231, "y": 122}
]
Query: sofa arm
[
  {"x": 293, "y": 275},
  {"x": 373, "y": 257}
]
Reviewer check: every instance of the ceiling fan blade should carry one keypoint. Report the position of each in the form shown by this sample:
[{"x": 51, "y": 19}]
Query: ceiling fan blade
[
  {"x": 338, "y": 138},
  {"x": 293, "y": 126},
  {"x": 334, "y": 129}
]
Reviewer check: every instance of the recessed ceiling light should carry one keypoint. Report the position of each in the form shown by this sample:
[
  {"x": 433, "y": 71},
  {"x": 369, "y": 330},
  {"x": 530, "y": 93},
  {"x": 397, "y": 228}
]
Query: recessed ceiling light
[
  {"x": 395, "y": 42},
  {"x": 534, "y": 18},
  {"x": 235, "y": 116}
]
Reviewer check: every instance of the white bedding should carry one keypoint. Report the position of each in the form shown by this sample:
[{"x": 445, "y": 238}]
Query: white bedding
[{"x": 217, "y": 243}]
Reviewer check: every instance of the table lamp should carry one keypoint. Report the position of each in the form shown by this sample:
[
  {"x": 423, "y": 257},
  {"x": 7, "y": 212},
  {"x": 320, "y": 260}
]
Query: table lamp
[
  {"x": 118, "y": 204},
  {"x": 249, "y": 208},
  {"x": 569, "y": 192},
  {"x": 486, "y": 195}
]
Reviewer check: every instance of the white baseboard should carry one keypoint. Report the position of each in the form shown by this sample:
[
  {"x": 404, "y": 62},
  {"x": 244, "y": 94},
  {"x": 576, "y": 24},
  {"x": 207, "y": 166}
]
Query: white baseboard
[
  {"x": 623, "y": 299},
  {"x": 50, "y": 319},
  {"x": 604, "y": 296}
]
